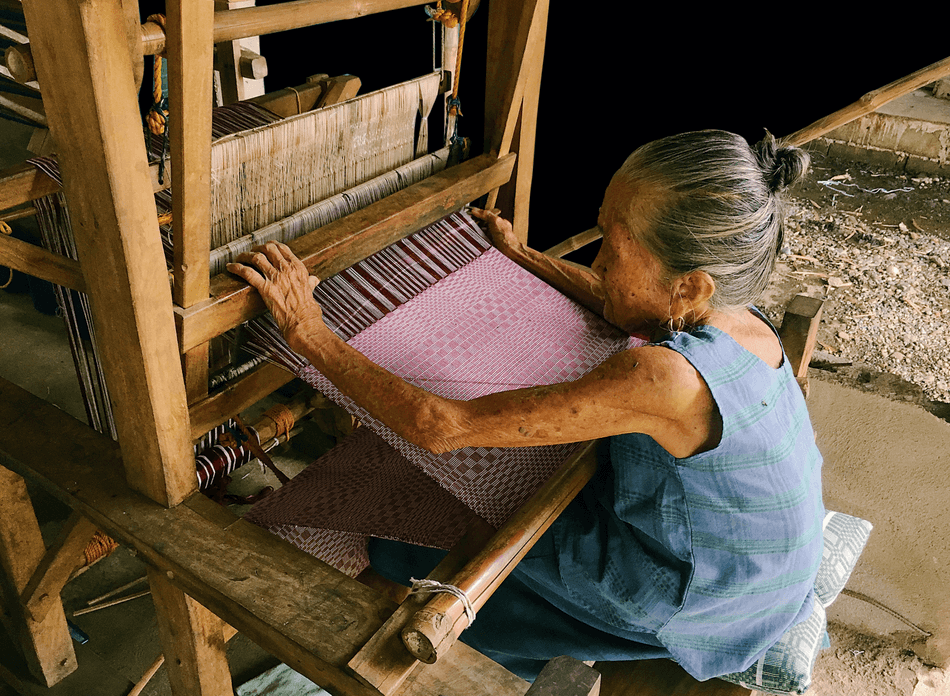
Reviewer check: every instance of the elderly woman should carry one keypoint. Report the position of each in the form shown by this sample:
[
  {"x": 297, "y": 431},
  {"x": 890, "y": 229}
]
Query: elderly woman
[{"x": 700, "y": 536}]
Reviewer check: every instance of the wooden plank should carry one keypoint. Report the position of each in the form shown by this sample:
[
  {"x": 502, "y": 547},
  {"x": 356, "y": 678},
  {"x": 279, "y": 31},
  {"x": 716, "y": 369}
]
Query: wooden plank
[
  {"x": 869, "y": 102},
  {"x": 340, "y": 244},
  {"x": 524, "y": 170},
  {"x": 194, "y": 368},
  {"x": 296, "y": 100},
  {"x": 565, "y": 676},
  {"x": 659, "y": 678},
  {"x": 239, "y": 394},
  {"x": 190, "y": 64},
  {"x": 192, "y": 639},
  {"x": 799, "y": 334},
  {"x": 512, "y": 27},
  {"x": 302, "y": 611},
  {"x": 36, "y": 261},
  {"x": 339, "y": 89},
  {"x": 384, "y": 662},
  {"x": 23, "y": 183},
  {"x": 81, "y": 55},
  {"x": 60, "y": 561},
  {"x": 516, "y": 47},
  {"x": 45, "y": 644}
]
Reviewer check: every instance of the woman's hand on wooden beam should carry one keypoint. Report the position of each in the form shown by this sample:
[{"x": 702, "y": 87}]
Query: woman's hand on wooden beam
[{"x": 284, "y": 284}]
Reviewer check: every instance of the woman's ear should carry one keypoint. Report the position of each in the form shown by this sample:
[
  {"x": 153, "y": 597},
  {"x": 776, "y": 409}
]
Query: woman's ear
[{"x": 691, "y": 295}]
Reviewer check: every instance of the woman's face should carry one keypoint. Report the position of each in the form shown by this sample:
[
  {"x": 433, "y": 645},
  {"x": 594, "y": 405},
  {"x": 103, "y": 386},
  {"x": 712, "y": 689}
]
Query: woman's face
[{"x": 637, "y": 293}]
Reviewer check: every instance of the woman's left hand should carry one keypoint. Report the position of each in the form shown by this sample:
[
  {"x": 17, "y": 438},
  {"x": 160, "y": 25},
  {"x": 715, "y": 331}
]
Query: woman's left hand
[{"x": 285, "y": 286}]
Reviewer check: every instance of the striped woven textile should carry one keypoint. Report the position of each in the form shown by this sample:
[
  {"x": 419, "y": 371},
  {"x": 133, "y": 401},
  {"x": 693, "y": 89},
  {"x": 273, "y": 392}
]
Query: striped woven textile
[{"x": 459, "y": 329}]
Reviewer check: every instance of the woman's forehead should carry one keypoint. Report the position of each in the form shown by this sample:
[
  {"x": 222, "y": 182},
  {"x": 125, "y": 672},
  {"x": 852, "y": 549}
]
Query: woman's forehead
[{"x": 630, "y": 199}]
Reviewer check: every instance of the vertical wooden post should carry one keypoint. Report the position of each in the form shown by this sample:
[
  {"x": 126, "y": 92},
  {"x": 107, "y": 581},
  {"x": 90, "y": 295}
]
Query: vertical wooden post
[
  {"x": 189, "y": 27},
  {"x": 516, "y": 51},
  {"x": 235, "y": 85},
  {"x": 193, "y": 640},
  {"x": 82, "y": 58},
  {"x": 46, "y": 644}
]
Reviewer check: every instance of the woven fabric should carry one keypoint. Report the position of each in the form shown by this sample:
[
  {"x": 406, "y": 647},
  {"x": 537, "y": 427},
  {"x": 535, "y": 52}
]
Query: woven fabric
[
  {"x": 488, "y": 326},
  {"x": 445, "y": 311},
  {"x": 365, "y": 487},
  {"x": 787, "y": 666}
]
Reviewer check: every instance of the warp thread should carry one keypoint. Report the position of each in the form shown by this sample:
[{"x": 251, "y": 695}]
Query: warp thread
[{"x": 426, "y": 586}]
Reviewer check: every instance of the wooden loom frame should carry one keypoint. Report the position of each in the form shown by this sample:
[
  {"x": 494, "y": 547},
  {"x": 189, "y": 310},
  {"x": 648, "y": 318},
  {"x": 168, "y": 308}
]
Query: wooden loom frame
[{"x": 85, "y": 52}]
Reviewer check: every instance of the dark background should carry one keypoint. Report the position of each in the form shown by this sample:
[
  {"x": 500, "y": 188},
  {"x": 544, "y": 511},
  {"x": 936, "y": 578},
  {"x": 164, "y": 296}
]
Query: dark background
[{"x": 617, "y": 75}]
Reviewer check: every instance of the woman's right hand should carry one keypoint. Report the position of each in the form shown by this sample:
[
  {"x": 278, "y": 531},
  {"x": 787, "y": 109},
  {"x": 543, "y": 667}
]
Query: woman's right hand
[{"x": 501, "y": 232}]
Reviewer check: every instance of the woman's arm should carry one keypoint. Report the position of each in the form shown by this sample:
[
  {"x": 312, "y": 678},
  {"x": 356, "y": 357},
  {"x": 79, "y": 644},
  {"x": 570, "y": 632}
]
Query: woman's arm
[
  {"x": 649, "y": 390},
  {"x": 580, "y": 285}
]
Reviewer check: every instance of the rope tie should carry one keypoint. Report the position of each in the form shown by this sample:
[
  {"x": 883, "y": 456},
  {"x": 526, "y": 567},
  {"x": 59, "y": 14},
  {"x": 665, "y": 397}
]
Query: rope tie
[
  {"x": 283, "y": 419},
  {"x": 448, "y": 19},
  {"x": 297, "y": 95},
  {"x": 426, "y": 586},
  {"x": 156, "y": 119}
]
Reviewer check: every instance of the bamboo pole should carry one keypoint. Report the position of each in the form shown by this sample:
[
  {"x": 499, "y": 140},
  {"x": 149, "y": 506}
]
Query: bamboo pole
[
  {"x": 434, "y": 629},
  {"x": 869, "y": 102}
]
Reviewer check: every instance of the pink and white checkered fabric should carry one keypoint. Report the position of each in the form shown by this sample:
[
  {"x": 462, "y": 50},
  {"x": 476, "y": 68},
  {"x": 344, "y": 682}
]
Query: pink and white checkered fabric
[{"x": 488, "y": 326}]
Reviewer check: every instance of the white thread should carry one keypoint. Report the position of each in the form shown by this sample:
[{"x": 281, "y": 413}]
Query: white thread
[{"x": 426, "y": 586}]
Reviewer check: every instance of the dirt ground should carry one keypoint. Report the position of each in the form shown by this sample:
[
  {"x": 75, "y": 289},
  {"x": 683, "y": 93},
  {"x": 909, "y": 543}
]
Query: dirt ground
[{"x": 876, "y": 245}]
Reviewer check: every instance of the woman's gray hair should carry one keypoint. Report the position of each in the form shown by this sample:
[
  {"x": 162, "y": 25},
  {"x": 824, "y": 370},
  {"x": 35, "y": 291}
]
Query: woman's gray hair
[{"x": 722, "y": 211}]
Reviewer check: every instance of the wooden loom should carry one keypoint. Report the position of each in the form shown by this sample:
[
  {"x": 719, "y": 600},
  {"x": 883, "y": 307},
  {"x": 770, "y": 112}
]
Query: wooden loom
[
  {"x": 332, "y": 629},
  {"x": 326, "y": 626}
]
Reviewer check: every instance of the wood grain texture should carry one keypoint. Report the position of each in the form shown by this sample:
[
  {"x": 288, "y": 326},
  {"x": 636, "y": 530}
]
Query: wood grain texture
[
  {"x": 82, "y": 57},
  {"x": 60, "y": 561},
  {"x": 45, "y": 644},
  {"x": 22, "y": 183},
  {"x": 190, "y": 66},
  {"x": 305, "y": 613},
  {"x": 340, "y": 244},
  {"x": 36, "y": 261},
  {"x": 659, "y": 678},
  {"x": 384, "y": 662},
  {"x": 236, "y": 396},
  {"x": 192, "y": 639},
  {"x": 565, "y": 676}
]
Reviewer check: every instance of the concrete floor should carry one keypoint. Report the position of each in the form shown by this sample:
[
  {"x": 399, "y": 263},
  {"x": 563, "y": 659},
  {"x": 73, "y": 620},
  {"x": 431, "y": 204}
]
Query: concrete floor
[{"x": 123, "y": 640}]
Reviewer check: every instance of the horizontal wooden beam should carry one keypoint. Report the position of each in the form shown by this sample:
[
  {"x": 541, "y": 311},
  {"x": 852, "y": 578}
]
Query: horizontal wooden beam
[
  {"x": 304, "y": 612},
  {"x": 340, "y": 244},
  {"x": 36, "y": 261},
  {"x": 236, "y": 24},
  {"x": 24, "y": 183},
  {"x": 238, "y": 395}
]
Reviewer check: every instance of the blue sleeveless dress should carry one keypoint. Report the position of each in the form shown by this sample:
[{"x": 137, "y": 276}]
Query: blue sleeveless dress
[{"x": 707, "y": 560}]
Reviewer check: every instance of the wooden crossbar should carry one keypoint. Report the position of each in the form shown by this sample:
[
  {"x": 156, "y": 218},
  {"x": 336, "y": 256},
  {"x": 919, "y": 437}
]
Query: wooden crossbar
[
  {"x": 304, "y": 612},
  {"x": 340, "y": 244}
]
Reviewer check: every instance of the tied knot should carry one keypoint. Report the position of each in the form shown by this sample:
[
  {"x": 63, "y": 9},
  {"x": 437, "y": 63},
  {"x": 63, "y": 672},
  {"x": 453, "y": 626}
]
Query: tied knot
[{"x": 426, "y": 586}]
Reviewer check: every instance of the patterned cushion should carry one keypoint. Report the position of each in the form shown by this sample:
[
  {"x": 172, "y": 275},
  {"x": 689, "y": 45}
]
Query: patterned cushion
[{"x": 786, "y": 666}]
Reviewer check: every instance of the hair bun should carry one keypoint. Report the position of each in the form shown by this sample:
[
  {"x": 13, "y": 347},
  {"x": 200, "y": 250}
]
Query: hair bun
[{"x": 782, "y": 165}]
